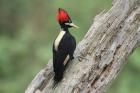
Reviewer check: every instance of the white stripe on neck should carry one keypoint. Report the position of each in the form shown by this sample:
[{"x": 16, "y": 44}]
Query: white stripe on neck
[{"x": 58, "y": 39}]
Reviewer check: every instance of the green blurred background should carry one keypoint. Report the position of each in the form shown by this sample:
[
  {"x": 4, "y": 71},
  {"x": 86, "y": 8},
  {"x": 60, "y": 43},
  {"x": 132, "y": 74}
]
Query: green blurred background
[{"x": 27, "y": 31}]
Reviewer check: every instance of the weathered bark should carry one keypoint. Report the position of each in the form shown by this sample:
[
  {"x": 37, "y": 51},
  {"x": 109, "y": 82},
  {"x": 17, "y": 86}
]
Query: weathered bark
[{"x": 101, "y": 54}]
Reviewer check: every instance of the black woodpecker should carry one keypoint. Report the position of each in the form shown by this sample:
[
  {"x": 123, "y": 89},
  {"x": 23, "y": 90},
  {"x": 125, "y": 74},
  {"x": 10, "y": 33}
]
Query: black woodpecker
[{"x": 63, "y": 46}]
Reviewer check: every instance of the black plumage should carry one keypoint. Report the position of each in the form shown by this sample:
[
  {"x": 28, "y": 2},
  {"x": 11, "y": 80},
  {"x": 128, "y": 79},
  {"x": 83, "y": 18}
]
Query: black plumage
[{"x": 66, "y": 47}]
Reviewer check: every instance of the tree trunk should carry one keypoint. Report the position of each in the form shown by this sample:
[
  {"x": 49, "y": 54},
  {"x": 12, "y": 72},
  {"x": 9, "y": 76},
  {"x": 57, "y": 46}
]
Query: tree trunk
[{"x": 101, "y": 54}]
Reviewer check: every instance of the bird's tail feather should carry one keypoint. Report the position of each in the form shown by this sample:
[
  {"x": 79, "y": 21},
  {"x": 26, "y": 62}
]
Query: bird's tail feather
[{"x": 58, "y": 75}]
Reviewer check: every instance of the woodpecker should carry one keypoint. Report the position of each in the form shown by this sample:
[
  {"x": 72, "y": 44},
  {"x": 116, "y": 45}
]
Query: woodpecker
[{"x": 63, "y": 46}]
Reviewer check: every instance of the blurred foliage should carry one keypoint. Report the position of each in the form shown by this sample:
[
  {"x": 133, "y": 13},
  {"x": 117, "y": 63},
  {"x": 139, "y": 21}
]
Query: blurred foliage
[{"x": 27, "y": 31}]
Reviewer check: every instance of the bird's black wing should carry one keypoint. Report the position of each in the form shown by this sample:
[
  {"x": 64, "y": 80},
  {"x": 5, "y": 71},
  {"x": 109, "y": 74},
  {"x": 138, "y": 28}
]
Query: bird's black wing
[
  {"x": 71, "y": 47},
  {"x": 66, "y": 47}
]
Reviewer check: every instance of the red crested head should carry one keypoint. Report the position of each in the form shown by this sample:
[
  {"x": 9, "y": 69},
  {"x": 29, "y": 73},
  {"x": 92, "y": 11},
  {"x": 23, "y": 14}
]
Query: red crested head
[{"x": 62, "y": 16}]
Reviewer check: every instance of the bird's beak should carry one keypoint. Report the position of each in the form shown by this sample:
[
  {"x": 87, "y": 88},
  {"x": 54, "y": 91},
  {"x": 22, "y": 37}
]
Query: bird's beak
[{"x": 72, "y": 25}]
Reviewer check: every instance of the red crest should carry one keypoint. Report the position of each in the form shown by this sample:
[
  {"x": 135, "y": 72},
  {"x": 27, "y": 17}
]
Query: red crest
[{"x": 62, "y": 16}]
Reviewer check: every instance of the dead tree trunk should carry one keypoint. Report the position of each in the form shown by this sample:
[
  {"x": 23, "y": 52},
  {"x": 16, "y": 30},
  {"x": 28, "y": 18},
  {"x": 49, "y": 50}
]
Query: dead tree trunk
[{"x": 101, "y": 54}]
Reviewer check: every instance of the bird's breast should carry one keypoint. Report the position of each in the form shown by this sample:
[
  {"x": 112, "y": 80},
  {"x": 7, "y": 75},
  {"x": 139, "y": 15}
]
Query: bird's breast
[{"x": 58, "y": 39}]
